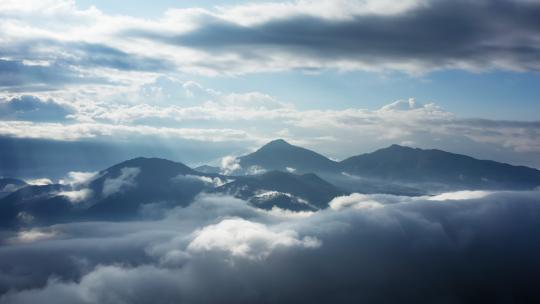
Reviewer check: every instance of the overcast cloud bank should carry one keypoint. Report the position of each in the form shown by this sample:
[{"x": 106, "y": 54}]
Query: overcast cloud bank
[{"x": 461, "y": 249}]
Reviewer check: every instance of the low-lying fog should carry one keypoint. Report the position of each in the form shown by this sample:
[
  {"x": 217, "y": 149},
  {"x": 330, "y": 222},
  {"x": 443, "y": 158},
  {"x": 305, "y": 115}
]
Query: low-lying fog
[{"x": 467, "y": 246}]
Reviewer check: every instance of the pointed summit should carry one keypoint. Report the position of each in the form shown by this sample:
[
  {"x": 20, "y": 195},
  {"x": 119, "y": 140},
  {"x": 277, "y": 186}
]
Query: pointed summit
[
  {"x": 277, "y": 143},
  {"x": 397, "y": 148},
  {"x": 280, "y": 155}
]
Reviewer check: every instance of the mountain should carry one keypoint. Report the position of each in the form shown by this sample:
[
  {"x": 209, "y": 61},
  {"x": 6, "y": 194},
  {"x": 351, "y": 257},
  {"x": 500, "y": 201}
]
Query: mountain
[
  {"x": 121, "y": 190},
  {"x": 413, "y": 165},
  {"x": 116, "y": 193},
  {"x": 394, "y": 170},
  {"x": 9, "y": 185},
  {"x": 29, "y": 203},
  {"x": 131, "y": 188},
  {"x": 144, "y": 185},
  {"x": 368, "y": 185},
  {"x": 283, "y": 189},
  {"x": 208, "y": 169},
  {"x": 282, "y": 156}
]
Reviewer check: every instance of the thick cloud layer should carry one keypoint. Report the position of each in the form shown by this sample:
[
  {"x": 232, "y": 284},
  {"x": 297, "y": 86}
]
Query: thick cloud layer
[
  {"x": 460, "y": 248},
  {"x": 432, "y": 35},
  {"x": 413, "y": 36},
  {"x": 28, "y": 107}
]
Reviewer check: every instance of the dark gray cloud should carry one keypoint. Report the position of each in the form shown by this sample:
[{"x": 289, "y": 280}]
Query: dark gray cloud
[
  {"x": 16, "y": 76},
  {"x": 412, "y": 251},
  {"x": 32, "y": 108},
  {"x": 438, "y": 34},
  {"x": 100, "y": 55},
  {"x": 44, "y": 64}
]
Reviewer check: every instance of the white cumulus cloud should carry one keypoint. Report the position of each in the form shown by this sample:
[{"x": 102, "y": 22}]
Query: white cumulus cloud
[{"x": 243, "y": 238}]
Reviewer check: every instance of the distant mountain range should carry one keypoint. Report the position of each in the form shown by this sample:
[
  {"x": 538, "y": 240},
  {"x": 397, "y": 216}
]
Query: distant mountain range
[
  {"x": 124, "y": 191},
  {"x": 413, "y": 165},
  {"x": 399, "y": 165},
  {"x": 289, "y": 177}
]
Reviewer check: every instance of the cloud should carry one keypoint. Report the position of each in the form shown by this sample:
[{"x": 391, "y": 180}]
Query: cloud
[
  {"x": 42, "y": 63},
  {"x": 290, "y": 169},
  {"x": 286, "y": 213},
  {"x": 119, "y": 76},
  {"x": 425, "y": 124},
  {"x": 19, "y": 76},
  {"x": 402, "y": 105},
  {"x": 219, "y": 120},
  {"x": 207, "y": 180},
  {"x": 33, "y": 235},
  {"x": 77, "y": 178},
  {"x": 412, "y": 38},
  {"x": 230, "y": 165},
  {"x": 60, "y": 46},
  {"x": 81, "y": 195},
  {"x": 460, "y": 195},
  {"x": 383, "y": 253},
  {"x": 29, "y": 107},
  {"x": 243, "y": 238},
  {"x": 451, "y": 252},
  {"x": 354, "y": 200},
  {"x": 263, "y": 196},
  {"x": 125, "y": 180},
  {"x": 39, "y": 181},
  {"x": 71, "y": 132}
]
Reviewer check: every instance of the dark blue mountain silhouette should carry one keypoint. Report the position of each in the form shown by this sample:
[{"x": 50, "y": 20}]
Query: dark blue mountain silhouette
[
  {"x": 32, "y": 204},
  {"x": 413, "y": 165},
  {"x": 208, "y": 169},
  {"x": 398, "y": 164},
  {"x": 153, "y": 180},
  {"x": 280, "y": 155},
  {"x": 284, "y": 190},
  {"x": 123, "y": 190}
]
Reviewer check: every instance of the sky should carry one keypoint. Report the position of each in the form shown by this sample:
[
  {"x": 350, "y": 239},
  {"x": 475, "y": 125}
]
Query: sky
[{"x": 197, "y": 80}]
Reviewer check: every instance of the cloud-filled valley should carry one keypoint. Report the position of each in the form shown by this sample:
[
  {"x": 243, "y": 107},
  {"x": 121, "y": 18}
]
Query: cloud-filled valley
[{"x": 408, "y": 250}]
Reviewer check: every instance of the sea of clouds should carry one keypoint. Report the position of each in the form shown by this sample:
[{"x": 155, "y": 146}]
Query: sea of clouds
[{"x": 452, "y": 248}]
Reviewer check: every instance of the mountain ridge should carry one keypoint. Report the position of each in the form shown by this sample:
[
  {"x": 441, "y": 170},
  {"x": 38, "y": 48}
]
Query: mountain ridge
[
  {"x": 121, "y": 191},
  {"x": 433, "y": 165},
  {"x": 290, "y": 157},
  {"x": 397, "y": 163}
]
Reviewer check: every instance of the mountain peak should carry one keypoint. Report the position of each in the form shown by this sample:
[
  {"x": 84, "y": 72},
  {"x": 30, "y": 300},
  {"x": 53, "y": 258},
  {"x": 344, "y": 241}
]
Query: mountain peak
[
  {"x": 406, "y": 164},
  {"x": 277, "y": 143},
  {"x": 397, "y": 147},
  {"x": 280, "y": 155},
  {"x": 153, "y": 164}
]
